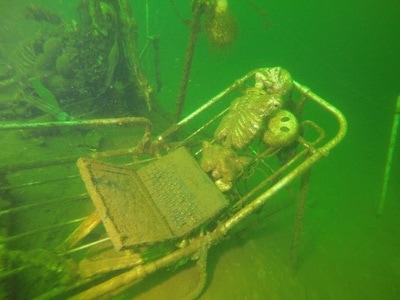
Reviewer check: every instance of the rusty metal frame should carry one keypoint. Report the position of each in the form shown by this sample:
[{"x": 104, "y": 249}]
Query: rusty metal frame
[{"x": 197, "y": 247}]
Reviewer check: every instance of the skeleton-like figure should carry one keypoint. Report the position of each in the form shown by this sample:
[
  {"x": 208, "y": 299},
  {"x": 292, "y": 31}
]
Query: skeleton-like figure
[
  {"x": 244, "y": 121},
  {"x": 223, "y": 164},
  {"x": 274, "y": 81}
]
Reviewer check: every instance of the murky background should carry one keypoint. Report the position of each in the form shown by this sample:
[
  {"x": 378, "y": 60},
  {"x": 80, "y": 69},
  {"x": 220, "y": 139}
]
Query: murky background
[{"x": 347, "y": 52}]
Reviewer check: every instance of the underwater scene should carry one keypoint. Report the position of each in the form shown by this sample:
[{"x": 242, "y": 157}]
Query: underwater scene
[{"x": 199, "y": 149}]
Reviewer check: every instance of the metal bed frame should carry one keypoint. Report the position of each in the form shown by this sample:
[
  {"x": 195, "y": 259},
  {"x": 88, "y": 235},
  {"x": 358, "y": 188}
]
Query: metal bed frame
[{"x": 90, "y": 275}]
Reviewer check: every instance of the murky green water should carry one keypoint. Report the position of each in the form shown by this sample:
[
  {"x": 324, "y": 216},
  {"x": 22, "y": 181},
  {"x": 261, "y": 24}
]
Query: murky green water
[{"x": 346, "y": 52}]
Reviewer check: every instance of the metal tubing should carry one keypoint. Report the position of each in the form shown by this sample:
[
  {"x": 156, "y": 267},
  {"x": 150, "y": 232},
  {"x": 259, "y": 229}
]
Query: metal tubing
[
  {"x": 140, "y": 272},
  {"x": 176, "y": 126},
  {"x": 83, "y": 247},
  {"x": 33, "y": 183},
  {"x": 75, "y": 123},
  {"x": 330, "y": 108},
  {"x": 200, "y": 129},
  {"x": 300, "y": 169},
  {"x": 129, "y": 40},
  {"x": 270, "y": 178},
  {"x": 388, "y": 167},
  {"x": 97, "y": 122},
  {"x": 218, "y": 97},
  {"x": 198, "y": 7},
  {"x": 89, "y": 224},
  {"x": 24, "y": 234},
  {"x": 29, "y": 206},
  {"x": 301, "y": 204}
]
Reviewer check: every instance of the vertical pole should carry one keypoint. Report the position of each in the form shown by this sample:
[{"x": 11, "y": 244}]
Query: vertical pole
[
  {"x": 301, "y": 204},
  {"x": 198, "y": 9},
  {"x": 147, "y": 19},
  {"x": 388, "y": 167},
  {"x": 129, "y": 35},
  {"x": 147, "y": 31}
]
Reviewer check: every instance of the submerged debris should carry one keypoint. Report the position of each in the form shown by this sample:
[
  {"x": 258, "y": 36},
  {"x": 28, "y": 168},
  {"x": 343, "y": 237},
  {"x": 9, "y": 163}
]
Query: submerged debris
[
  {"x": 39, "y": 13},
  {"x": 84, "y": 66}
]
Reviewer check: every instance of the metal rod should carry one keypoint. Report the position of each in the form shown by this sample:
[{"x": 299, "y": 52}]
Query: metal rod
[
  {"x": 157, "y": 68},
  {"x": 196, "y": 132},
  {"x": 29, "y": 206},
  {"x": 75, "y": 123},
  {"x": 388, "y": 167},
  {"x": 129, "y": 39},
  {"x": 270, "y": 178},
  {"x": 147, "y": 19},
  {"x": 301, "y": 204},
  {"x": 33, "y": 183},
  {"x": 215, "y": 99},
  {"x": 176, "y": 126},
  {"x": 300, "y": 169},
  {"x": 89, "y": 224},
  {"x": 331, "y": 109},
  {"x": 64, "y": 160},
  {"x": 12, "y": 272},
  {"x": 27, "y": 233},
  {"x": 140, "y": 272},
  {"x": 98, "y": 122},
  {"x": 198, "y": 7},
  {"x": 86, "y": 246}
]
